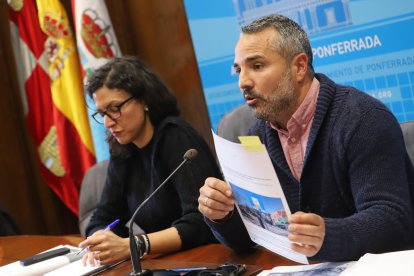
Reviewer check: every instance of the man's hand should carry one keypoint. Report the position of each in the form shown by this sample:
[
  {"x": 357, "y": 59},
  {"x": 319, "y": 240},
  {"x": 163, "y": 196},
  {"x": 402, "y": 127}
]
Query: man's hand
[
  {"x": 215, "y": 200},
  {"x": 306, "y": 232}
]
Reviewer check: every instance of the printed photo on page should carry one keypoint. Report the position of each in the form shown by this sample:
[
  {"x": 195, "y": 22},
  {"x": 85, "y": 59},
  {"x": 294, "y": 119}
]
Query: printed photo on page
[{"x": 259, "y": 196}]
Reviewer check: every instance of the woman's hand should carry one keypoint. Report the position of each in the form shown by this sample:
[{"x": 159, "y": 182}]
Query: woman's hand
[{"x": 105, "y": 248}]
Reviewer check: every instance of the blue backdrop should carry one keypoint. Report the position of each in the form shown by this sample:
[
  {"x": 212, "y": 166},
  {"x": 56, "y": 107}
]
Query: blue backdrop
[{"x": 368, "y": 44}]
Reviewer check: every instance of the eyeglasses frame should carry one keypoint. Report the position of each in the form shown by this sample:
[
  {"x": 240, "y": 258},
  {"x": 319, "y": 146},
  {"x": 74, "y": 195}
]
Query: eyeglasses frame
[{"x": 105, "y": 112}]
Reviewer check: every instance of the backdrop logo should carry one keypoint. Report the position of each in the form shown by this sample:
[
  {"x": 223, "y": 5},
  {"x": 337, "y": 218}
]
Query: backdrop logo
[{"x": 313, "y": 16}]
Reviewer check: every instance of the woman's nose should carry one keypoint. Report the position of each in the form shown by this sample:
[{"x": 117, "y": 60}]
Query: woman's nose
[{"x": 108, "y": 121}]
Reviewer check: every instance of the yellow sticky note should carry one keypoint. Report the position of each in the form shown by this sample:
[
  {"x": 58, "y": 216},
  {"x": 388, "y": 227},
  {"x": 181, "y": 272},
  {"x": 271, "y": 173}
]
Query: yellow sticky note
[{"x": 251, "y": 143}]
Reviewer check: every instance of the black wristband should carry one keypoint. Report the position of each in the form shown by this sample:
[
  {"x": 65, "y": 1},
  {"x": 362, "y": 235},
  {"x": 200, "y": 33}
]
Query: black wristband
[
  {"x": 142, "y": 246},
  {"x": 147, "y": 243}
]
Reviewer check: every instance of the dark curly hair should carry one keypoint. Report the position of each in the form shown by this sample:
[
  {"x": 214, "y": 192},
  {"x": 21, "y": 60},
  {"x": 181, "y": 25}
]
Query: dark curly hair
[{"x": 130, "y": 74}]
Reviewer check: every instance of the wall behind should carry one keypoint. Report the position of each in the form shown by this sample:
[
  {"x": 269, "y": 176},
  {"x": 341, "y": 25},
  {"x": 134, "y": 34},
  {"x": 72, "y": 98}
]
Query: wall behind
[{"x": 156, "y": 31}]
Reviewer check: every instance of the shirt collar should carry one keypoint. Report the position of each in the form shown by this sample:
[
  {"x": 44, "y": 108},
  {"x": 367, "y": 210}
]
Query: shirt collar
[{"x": 304, "y": 114}]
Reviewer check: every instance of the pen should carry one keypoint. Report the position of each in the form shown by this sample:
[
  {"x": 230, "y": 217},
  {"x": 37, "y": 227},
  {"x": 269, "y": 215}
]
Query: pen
[
  {"x": 107, "y": 228},
  {"x": 112, "y": 225},
  {"x": 186, "y": 269}
]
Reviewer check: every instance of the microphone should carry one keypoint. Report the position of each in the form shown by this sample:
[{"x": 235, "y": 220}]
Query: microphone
[{"x": 133, "y": 245}]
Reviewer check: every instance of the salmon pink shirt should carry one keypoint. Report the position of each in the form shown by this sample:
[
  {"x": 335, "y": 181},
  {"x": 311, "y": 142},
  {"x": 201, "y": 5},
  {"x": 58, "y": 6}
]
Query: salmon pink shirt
[{"x": 295, "y": 138}]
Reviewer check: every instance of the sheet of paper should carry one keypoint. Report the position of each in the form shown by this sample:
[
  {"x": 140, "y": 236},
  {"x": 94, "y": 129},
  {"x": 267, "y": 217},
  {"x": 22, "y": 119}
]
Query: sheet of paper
[
  {"x": 259, "y": 196},
  {"x": 78, "y": 269},
  {"x": 322, "y": 269},
  {"x": 393, "y": 263},
  {"x": 75, "y": 268},
  {"x": 69, "y": 264},
  {"x": 16, "y": 269}
]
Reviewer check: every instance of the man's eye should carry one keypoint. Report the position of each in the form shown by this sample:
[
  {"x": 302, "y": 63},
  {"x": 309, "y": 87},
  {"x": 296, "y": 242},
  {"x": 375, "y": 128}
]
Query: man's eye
[
  {"x": 235, "y": 71},
  {"x": 258, "y": 66}
]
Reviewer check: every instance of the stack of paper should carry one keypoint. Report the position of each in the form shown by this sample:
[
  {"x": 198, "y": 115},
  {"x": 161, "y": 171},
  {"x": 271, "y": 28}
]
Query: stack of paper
[
  {"x": 322, "y": 269},
  {"x": 394, "y": 263},
  {"x": 69, "y": 264}
]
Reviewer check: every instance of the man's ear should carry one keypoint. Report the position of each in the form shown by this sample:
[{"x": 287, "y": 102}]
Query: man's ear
[{"x": 299, "y": 67}]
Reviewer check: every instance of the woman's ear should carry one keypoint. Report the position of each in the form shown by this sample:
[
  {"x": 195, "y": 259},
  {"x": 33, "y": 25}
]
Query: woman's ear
[{"x": 144, "y": 105}]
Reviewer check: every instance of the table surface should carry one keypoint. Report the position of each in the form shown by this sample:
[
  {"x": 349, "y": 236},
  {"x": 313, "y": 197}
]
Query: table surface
[{"x": 14, "y": 248}]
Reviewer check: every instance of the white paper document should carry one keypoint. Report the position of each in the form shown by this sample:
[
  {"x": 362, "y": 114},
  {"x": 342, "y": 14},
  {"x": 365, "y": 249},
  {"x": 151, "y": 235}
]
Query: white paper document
[
  {"x": 322, "y": 269},
  {"x": 69, "y": 264},
  {"x": 393, "y": 263},
  {"x": 259, "y": 196}
]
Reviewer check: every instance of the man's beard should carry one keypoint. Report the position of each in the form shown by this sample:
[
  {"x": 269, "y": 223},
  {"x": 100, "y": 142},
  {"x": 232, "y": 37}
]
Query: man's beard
[{"x": 278, "y": 104}]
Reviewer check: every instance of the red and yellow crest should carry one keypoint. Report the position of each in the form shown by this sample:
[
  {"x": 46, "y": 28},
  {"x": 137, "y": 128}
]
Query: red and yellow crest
[
  {"x": 56, "y": 25},
  {"x": 95, "y": 35}
]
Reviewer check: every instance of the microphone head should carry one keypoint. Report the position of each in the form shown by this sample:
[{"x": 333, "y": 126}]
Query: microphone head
[{"x": 190, "y": 154}]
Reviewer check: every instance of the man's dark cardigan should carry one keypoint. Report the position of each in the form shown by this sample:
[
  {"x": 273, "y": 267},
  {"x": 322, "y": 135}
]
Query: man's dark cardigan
[{"x": 356, "y": 175}]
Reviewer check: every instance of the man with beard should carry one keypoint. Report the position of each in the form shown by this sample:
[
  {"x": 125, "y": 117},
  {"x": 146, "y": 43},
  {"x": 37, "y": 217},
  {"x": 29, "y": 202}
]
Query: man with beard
[{"x": 339, "y": 154}]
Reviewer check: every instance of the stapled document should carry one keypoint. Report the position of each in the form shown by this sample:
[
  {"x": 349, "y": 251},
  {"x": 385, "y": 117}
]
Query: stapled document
[{"x": 259, "y": 196}]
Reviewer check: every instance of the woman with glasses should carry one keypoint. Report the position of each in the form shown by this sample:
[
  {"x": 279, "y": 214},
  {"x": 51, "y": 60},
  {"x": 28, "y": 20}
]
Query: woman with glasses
[{"x": 147, "y": 142}]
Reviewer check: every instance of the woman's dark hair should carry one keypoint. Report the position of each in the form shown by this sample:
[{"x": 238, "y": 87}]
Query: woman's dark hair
[{"x": 130, "y": 74}]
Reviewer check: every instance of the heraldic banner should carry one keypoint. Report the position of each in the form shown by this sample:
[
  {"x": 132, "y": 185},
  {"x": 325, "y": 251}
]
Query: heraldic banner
[
  {"x": 97, "y": 44},
  {"x": 52, "y": 93}
]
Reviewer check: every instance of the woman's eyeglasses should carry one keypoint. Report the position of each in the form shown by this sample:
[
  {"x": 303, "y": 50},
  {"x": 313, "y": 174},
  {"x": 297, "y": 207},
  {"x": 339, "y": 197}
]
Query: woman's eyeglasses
[{"x": 113, "y": 112}]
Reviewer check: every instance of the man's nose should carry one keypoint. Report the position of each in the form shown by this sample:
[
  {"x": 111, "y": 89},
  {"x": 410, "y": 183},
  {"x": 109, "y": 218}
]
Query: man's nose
[{"x": 245, "y": 82}]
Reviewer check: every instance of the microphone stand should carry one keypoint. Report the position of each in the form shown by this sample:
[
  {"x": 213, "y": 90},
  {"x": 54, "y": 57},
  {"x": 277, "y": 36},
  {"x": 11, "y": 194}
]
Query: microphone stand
[{"x": 133, "y": 245}]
